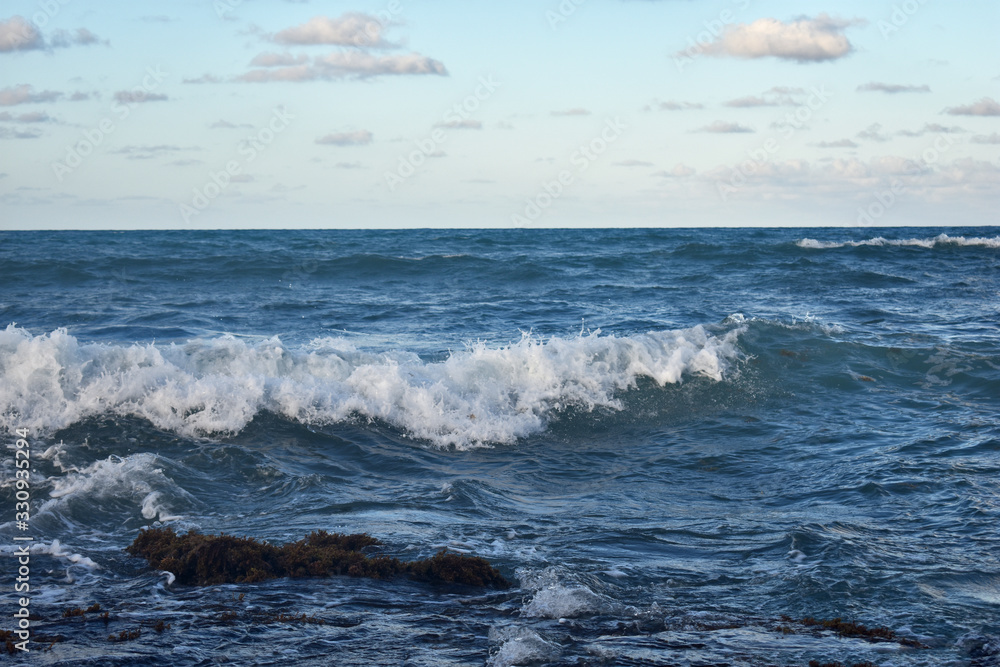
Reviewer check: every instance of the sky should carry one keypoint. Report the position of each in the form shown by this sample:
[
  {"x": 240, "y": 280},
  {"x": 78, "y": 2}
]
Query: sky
[{"x": 220, "y": 114}]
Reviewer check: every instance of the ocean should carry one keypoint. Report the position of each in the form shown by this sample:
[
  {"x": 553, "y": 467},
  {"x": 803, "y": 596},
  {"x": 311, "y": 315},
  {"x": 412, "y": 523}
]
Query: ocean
[{"x": 682, "y": 447}]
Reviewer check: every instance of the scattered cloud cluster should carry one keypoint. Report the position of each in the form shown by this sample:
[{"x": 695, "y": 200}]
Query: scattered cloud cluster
[
  {"x": 18, "y": 34},
  {"x": 356, "y": 33}
]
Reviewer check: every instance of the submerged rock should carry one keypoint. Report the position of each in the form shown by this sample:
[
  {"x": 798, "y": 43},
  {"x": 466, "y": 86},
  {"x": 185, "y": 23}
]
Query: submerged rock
[{"x": 201, "y": 560}]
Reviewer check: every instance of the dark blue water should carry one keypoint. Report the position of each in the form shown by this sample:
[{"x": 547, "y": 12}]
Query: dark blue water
[{"x": 668, "y": 439}]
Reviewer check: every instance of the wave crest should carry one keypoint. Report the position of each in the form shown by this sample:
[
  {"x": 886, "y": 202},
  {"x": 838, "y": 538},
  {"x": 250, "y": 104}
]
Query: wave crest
[
  {"x": 941, "y": 239},
  {"x": 476, "y": 396}
]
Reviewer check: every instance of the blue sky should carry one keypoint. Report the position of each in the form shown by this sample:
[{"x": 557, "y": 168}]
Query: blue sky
[{"x": 265, "y": 113}]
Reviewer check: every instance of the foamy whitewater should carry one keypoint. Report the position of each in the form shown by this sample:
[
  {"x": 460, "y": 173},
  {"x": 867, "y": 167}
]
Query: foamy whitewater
[
  {"x": 477, "y": 396},
  {"x": 677, "y": 444}
]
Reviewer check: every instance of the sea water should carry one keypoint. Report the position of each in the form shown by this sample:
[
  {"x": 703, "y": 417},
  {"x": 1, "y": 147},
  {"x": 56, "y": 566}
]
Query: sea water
[{"x": 677, "y": 444}]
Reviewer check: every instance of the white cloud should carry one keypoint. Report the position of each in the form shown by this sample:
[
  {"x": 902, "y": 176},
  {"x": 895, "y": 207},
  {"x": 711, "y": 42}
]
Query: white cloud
[
  {"x": 356, "y": 138},
  {"x": 803, "y": 40},
  {"x": 984, "y": 107},
  {"x": 351, "y": 29},
  {"x": 572, "y": 112}
]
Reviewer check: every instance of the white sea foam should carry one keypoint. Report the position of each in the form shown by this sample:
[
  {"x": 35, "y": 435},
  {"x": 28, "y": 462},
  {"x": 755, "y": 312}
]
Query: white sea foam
[
  {"x": 136, "y": 478},
  {"x": 520, "y": 646},
  {"x": 941, "y": 239},
  {"x": 559, "y": 594},
  {"x": 57, "y": 550},
  {"x": 476, "y": 396}
]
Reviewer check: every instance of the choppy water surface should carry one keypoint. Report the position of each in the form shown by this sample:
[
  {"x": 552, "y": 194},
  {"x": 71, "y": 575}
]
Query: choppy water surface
[{"x": 669, "y": 440}]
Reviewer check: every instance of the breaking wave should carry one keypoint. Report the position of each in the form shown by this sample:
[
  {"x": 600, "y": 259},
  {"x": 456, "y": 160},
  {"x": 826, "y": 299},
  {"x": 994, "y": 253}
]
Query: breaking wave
[
  {"x": 940, "y": 240},
  {"x": 475, "y": 396}
]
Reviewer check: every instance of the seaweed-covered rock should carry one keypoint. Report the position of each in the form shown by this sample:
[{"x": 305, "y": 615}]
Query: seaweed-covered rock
[{"x": 197, "y": 559}]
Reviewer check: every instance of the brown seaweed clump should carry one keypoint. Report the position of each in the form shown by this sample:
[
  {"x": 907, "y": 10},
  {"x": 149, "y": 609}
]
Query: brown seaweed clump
[
  {"x": 852, "y": 629},
  {"x": 202, "y": 560}
]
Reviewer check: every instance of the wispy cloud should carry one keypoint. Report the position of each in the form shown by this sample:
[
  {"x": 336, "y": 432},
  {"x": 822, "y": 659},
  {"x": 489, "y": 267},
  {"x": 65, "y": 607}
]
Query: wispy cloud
[
  {"x": 226, "y": 125},
  {"x": 467, "y": 124},
  {"x": 672, "y": 105},
  {"x": 841, "y": 143},
  {"x": 775, "y": 97},
  {"x": 632, "y": 163},
  {"x": 931, "y": 128},
  {"x": 986, "y": 138},
  {"x": 873, "y": 133},
  {"x": 25, "y": 94},
  {"x": 892, "y": 88},
  {"x": 205, "y": 78},
  {"x": 356, "y": 138},
  {"x": 984, "y": 107},
  {"x": 138, "y": 97},
  {"x": 345, "y": 64},
  {"x": 572, "y": 112},
  {"x": 143, "y": 152},
  {"x": 30, "y": 117},
  {"x": 679, "y": 171},
  {"x": 14, "y": 133},
  {"x": 722, "y": 127}
]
